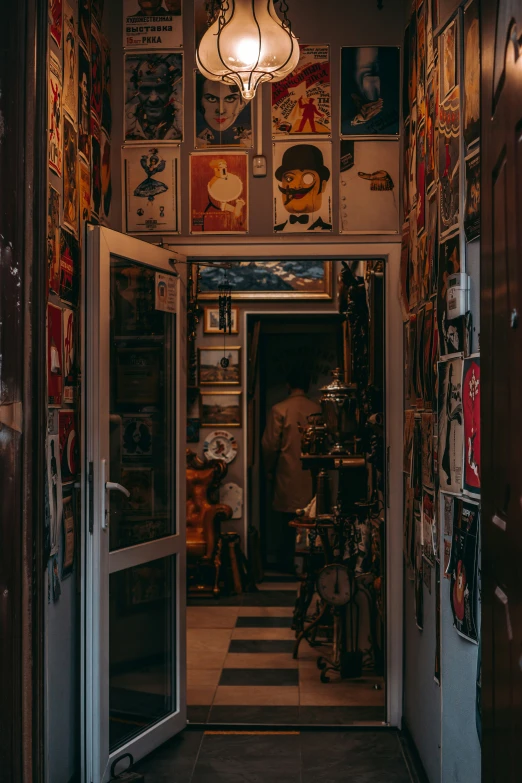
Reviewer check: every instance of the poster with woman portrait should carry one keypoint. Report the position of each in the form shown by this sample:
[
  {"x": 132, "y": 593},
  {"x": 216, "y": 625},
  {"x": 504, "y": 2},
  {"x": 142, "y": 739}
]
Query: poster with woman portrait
[
  {"x": 370, "y": 90},
  {"x": 368, "y": 187},
  {"x": 70, "y": 65},
  {"x": 301, "y": 103},
  {"x": 472, "y": 204},
  {"x": 219, "y": 192},
  {"x": 451, "y": 429},
  {"x": 223, "y": 117},
  {"x": 153, "y": 96},
  {"x": 151, "y": 177},
  {"x": 463, "y": 568},
  {"x": 449, "y": 161},
  {"x": 471, "y": 409},
  {"x": 152, "y": 24},
  {"x": 471, "y": 123},
  {"x": 302, "y": 187},
  {"x": 70, "y": 176},
  {"x": 55, "y": 116}
]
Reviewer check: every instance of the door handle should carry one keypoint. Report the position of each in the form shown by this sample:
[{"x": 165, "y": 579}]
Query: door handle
[
  {"x": 108, "y": 486},
  {"x": 112, "y": 486}
]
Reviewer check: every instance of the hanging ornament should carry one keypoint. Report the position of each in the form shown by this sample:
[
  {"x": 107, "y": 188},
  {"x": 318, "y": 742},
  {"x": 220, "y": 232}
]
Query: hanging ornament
[{"x": 225, "y": 314}]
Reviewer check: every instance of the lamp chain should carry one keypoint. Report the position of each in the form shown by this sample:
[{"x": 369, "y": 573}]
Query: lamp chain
[{"x": 283, "y": 9}]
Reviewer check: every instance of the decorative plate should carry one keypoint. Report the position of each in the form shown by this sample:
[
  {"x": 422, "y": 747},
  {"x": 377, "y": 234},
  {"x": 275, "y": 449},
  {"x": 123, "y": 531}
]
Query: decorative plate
[
  {"x": 220, "y": 445},
  {"x": 232, "y": 495}
]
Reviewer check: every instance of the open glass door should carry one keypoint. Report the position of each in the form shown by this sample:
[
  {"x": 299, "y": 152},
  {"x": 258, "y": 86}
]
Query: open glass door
[{"x": 134, "y": 615}]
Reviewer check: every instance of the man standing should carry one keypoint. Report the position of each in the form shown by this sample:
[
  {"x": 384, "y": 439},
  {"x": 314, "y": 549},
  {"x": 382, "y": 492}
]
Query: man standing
[
  {"x": 282, "y": 454},
  {"x": 309, "y": 113}
]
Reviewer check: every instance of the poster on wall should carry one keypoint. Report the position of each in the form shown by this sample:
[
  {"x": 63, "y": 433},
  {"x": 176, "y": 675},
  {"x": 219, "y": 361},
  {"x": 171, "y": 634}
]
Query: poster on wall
[
  {"x": 55, "y": 118},
  {"x": 429, "y": 543},
  {"x": 70, "y": 65},
  {"x": 421, "y": 54},
  {"x": 302, "y": 187},
  {"x": 96, "y": 183},
  {"x": 223, "y": 117},
  {"x": 409, "y": 423},
  {"x": 452, "y": 332},
  {"x": 301, "y": 103},
  {"x": 54, "y": 356},
  {"x": 53, "y": 240},
  {"x": 205, "y": 14},
  {"x": 84, "y": 25},
  {"x": 106, "y": 118},
  {"x": 448, "y": 64},
  {"x": 70, "y": 176},
  {"x": 153, "y": 96},
  {"x": 368, "y": 187},
  {"x": 106, "y": 181},
  {"x": 69, "y": 535},
  {"x": 472, "y": 204},
  {"x": 471, "y": 410},
  {"x": 431, "y": 129},
  {"x": 432, "y": 241},
  {"x": 68, "y": 356},
  {"x": 451, "y": 431},
  {"x": 69, "y": 458},
  {"x": 97, "y": 12},
  {"x": 84, "y": 184},
  {"x": 471, "y": 124},
  {"x": 56, "y": 21},
  {"x": 54, "y": 488},
  {"x": 370, "y": 90},
  {"x": 421, "y": 175},
  {"x": 427, "y": 429},
  {"x": 427, "y": 349},
  {"x": 219, "y": 193},
  {"x": 463, "y": 568},
  {"x": 151, "y": 177},
  {"x": 449, "y": 161},
  {"x": 157, "y": 23},
  {"x": 412, "y": 60},
  {"x": 84, "y": 105},
  {"x": 96, "y": 76},
  {"x": 69, "y": 267}
]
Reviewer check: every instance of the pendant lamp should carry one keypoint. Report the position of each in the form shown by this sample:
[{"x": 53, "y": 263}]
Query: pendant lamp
[{"x": 247, "y": 44}]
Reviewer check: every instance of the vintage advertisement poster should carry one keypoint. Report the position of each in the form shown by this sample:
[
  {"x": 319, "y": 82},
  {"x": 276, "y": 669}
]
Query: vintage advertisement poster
[
  {"x": 412, "y": 158},
  {"x": 409, "y": 523},
  {"x": 302, "y": 187},
  {"x": 154, "y": 24},
  {"x": 427, "y": 429},
  {"x": 84, "y": 183},
  {"x": 471, "y": 124},
  {"x": 54, "y": 356},
  {"x": 471, "y": 409},
  {"x": 301, "y": 103},
  {"x": 223, "y": 117},
  {"x": 370, "y": 90},
  {"x": 219, "y": 193},
  {"x": 55, "y": 115},
  {"x": 106, "y": 181},
  {"x": 70, "y": 65},
  {"x": 69, "y": 458},
  {"x": 106, "y": 118},
  {"x": 472, "y": 205},
  {"x": 84, "y": 105},
  {"x": 409, "y": 423},
  {"x": 54, "y": 487},
  {"x": 451, "y": 331},
  {"x": 96, "y": 76},
  {"x": 463, "y": 568},
  {"x": 429, "y": 543},
  {"x": 69, "y": 267},
  {"x": 84, "y": 24},
  {"x": 53, "y": 240},
  {"x": 451, "y": 429},
  {"x": 431, "y": 129},
  {"x": 56, "y": 21},
  {"x": 427, "y": 353},
  {"x": 96, "y": 181},
  {"x": 449, "y": 161},
  {"x": 448, "y": 64},
  {"x": 69, "y": 347},
  {"x": 151, "y": 176},
  {"x": 70, "y": 176},
  {"x": 69, "y": 535},
  {"x": 368, "y": 192},
  {"x": 421, "y": 175},
  {"x": 432, "y": 240},
  {"x": 205, "y": 13},
  {"x": 412, "y": 60},
  {"x": 421, "y": 55},
  {"x": 153, "y": 97}
]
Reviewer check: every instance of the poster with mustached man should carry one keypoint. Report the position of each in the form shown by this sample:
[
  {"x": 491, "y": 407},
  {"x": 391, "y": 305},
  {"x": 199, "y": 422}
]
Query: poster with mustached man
[
  {"x": 369, "y": 193},
  {"x": 302, "y": 187}
]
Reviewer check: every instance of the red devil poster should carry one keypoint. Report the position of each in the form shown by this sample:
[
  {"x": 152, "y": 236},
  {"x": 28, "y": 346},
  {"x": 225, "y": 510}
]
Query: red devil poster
[
  {"x": 462, "y": 568},
  {"x": 471, "y": 410},
  {"x": 54, "y": 356}
]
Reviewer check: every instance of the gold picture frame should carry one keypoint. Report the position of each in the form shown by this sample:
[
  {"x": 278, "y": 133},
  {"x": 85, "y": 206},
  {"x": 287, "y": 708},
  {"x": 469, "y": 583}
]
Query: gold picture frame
[
  {"x": 210, "y": 371},
  {"x": 215, "y": 412},
  {"x": 211, "y": 320},
  {"x": 308, "y": 290}
]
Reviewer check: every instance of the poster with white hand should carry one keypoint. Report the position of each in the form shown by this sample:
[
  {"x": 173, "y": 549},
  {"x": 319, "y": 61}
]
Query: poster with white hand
[{"x": 369, "y": 187}]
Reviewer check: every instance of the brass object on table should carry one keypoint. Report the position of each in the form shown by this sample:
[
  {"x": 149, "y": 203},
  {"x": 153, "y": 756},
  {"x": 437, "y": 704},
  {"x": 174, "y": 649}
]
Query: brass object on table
[{"x": 340, "y": 411}]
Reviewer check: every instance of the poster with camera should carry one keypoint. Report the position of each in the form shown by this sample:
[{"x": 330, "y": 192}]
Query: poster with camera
[
  {"x": 151, "y": 177},
  {"x": 153, "y": 96},
  {"x": 223, "y": 117},
  {"x": 302, "y": 187},
  {"x": 301, "y": 102},
  {"x": 152, "y": 23}
]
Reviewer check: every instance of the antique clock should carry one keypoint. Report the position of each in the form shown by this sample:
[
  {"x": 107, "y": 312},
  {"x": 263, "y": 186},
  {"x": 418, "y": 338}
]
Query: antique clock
[{"x": 334, "y": 584}]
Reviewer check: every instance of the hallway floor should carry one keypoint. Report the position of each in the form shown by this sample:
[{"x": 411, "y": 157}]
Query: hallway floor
[{"x": 292, "y": 757}]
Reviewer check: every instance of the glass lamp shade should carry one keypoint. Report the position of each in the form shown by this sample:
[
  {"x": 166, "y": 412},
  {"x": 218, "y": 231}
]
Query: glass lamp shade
[{"x": 247, "y": 45}]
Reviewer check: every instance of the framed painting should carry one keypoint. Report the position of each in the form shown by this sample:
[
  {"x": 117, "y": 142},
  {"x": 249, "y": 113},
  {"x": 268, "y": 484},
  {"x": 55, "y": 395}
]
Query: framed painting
[
  {"x": 281, "y": 279},
  {"x": 219, "y": 366},
  {"x": 211, "y": 321},
  {"x": 221, "y": 409}
]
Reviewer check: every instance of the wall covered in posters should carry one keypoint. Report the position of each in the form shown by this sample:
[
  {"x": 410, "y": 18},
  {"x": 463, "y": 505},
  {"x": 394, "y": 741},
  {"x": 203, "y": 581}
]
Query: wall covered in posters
[{"x": 440, "y": 253}]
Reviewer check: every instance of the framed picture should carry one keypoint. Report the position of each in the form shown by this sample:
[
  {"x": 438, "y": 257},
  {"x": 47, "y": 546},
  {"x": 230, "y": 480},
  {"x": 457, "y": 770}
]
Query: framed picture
[
  {"x": 301, "y": 103},
  {"x": 137, "y": 436},
  {"x": 223, "y": 118},
  {"x": 212, "y": 369},
  {"x": 157, "y": 74},
  {"x": 221, "y": 409},
  {"x": 151, "y": 188},
  {"x": 211, "y": 321},
  {"x": 302, "y": 187},
  {"x": 282, "y": 279},
  {"x": 219, "y": 193},
  {"x": 370, "y": 90}
]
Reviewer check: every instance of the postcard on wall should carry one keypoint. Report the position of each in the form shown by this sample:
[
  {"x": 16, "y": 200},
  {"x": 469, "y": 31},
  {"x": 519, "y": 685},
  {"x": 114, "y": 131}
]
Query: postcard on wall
[
  {"x": 302, "y": 187},
  {"x": 301, "y": 103},
  {"x": 448, "y": 63},
  {"x": 137, "y": 436},
  {"x": 451, "y": 429},
  {"x": 147, "y": 75},
  {"x": 70, "y": 176},
  {"x": 463, "y": 568},
  {"x": 219, "y": 193},
  {"x": 70, "y": 65},
  {"x": 96, "y": 76},
  {"x": 84, "y": 105},
  {"x": 223, "y": 118},
  {"x": 472, "y": 204},
  {"x": 151, "y": 177},
  {"x": 69, "y": 267},
  {"x": 427, "y": 430},
  {"x": 69, "y": 453},
  {"x": 56, "y": 21},
  {"x": 471, "y": 410},
  {"x": 69, "y": 535},
  {"x": 54, "y": 487},
  {"x": 53, "y": 240},
  {"x": 368, "y": 190},
  {"x": 157, "y": 24},
  {"x": 54, "y": 356},
  {"x": 452, "y": 332},
  {"x": 449, "y": 161},
  {"x": 96, "y": 178},
  {"x": 69, "y": 348},
  {"x": 370, "y": 90},
  {"x": 55, "y": 118},
  {"x": 140, "y": 483},
  {"x": 471, "y": 122}
]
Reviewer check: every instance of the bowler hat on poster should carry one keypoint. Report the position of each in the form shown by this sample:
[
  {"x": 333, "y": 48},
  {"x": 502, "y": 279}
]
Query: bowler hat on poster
[{"x": 303, "y": 156}]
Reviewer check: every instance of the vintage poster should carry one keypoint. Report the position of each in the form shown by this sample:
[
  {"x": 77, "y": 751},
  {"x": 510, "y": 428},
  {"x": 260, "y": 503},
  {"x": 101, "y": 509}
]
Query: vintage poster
[
  {"x": 69, "y": 347},
  {"x": 412, "y": 158},
  {"x": 96, "y": 177},
  {"x": 430, "y": 49},
  {"x": 70, "y": 176},
  {"x": 106, "y": 181},
  {"x": 69, "y": 456},
  {"x": 416, "y": 471},
  {"x": 432, "y": 240},
  {"x": 84, "y": 105},
  {"x": 409, "y": 423},
  {"x": 419, "y": 574},
  {"x": 431, "y": 129},
  {"x": 421, "y": 54},
  {"x": 449, "y": 161},
  {"x": 429, "y": 542},
  {"x": 84, "y": 24},
  {"x": 137, "y": 436},
  {"x": 463, "y": 568},
  {"x": 471, "y": 124},
  {"x": 409, "y": 524},
  {"x": 370, "y": 90},
  {"x": 369, "y": 193},
  {"x": 471, "y": 410},
  {"x": 56, "y": 21},
  {"x": 53, "y": 240},
  {"x": 97, "y": 12},
  {"x": 223, "y": 117},
  {"x": 404, "y": 276},
  {"x": 69, "y": 267},
  {"x": 418, "y": 360},
  {"x": 106, "y": 118},
  {"x": 412, "y": 60},
  {"x": 69, "y": 535},
  {"x": 70, "y": 65},
  {"x": 55, "y": 115},
  {"x": 427, "y": 430},
  {"x": 153, "y": 24},
  {"x": 139, "y": 482},
  {"x": 301, "y": 103},
  {"x": 437, "y": 664},
  {"x": 85, "y": 190},
  {"x": 472, "y": 205},
  {"x": 448, "y": 64},
  {"x": 96, "y": 76},
  {"x": 406, "y": 106},
  {"x": 54, "y": 356},
  {"x": 451, "y": 429},
  {"x": 302, "y": 187},
  {"x": 153, "y": 97},
  {"x": 427, "y": 349},
  {"x": 151, "y": 177},
  {"x": 219, "y": 193},
  {"x": 451, "y": 331},
  {"x": 54, "y": 487},
  {"x": 406, "y": 206},
  {"x": 205, "y": 13},
  {"x": 421, "y": 175}
]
